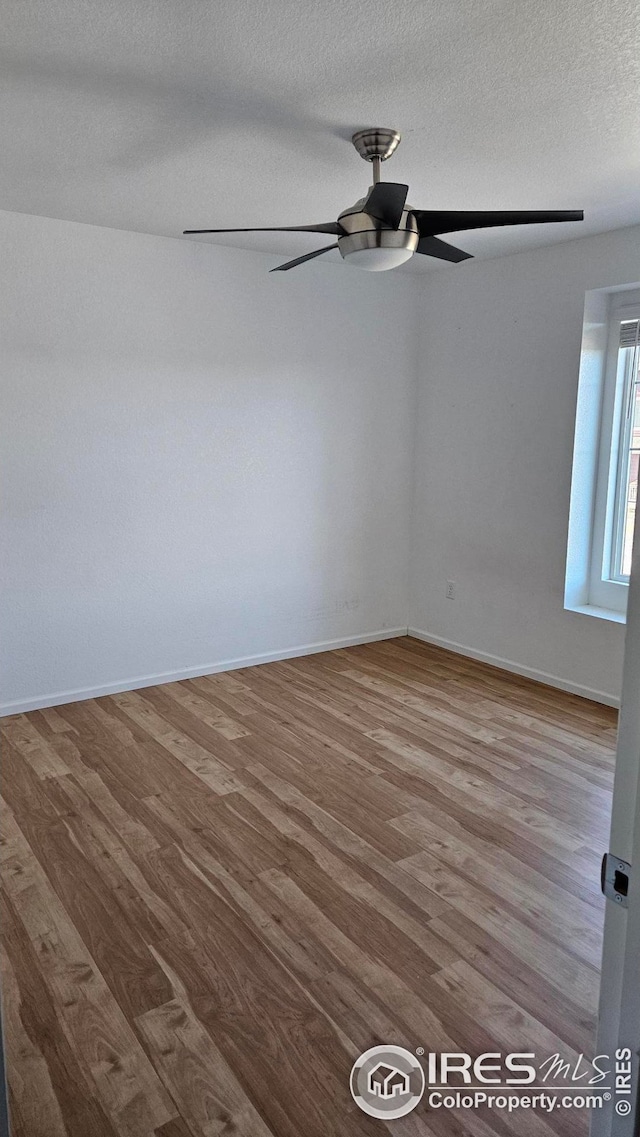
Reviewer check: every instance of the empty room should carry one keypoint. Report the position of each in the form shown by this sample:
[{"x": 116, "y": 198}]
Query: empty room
[{"x": 320, "y": 419}]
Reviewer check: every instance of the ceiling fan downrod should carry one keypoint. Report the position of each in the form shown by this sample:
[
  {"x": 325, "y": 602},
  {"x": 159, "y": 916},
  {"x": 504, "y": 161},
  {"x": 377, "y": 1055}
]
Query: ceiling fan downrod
[{"x": 375, "y": 145}]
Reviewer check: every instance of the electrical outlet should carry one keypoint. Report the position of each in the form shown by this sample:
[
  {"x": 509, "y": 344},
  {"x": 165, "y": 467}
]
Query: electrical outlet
[{"x": 451, "y": 590}]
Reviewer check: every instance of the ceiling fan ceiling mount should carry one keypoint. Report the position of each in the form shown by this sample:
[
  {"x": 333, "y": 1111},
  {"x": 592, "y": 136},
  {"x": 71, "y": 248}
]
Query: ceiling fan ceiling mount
[
  {"x": 380, "y": 231},
  {"x": 376, "y": 142}
]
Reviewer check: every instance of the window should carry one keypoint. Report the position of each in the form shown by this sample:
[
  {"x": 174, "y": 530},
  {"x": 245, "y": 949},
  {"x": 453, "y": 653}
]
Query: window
[
  {"x": 606, "y": 456},
  {"x": 623, "y": 503}
]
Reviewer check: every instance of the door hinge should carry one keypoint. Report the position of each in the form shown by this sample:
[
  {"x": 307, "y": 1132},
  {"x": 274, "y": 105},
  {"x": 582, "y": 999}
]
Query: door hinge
[{"x": 614, "y": 879}]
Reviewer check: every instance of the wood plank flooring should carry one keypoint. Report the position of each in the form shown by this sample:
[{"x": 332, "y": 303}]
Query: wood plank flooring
[{"x": 217, "y": 893}]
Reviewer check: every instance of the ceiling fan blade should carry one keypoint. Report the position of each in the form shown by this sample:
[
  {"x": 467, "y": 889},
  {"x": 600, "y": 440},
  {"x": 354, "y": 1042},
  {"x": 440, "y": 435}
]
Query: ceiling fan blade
[
  {"x": 432, "y": 247},
  {"x": 432, "y": 221},
  {"x": 386, "y": 203},
  {"x": 301, "y": 260},
  {"x": 325, "y": 227}
]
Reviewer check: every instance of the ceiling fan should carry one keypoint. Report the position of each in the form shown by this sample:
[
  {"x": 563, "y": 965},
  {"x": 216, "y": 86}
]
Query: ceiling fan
[{"x": 381, "y": 231}]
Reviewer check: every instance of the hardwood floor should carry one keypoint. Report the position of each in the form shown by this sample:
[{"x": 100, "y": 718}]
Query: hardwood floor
[{"x": 217, "y": 893}]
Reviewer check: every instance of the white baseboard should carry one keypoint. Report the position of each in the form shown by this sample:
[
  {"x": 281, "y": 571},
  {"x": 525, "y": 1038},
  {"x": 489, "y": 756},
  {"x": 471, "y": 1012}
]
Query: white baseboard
[
  {"x": 60, "y": 697},
  {"x": 517, "y": 668}
]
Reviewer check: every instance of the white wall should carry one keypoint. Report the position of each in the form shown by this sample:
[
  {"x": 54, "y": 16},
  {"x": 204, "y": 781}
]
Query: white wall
[
  {"x": 202, "y": 462},
  {"x": 500, "y": 354}
]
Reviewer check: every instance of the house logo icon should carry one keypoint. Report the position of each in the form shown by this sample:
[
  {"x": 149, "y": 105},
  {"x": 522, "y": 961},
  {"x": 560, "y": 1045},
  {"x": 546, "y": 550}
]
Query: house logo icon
[{"x": 387, "y": 1082}]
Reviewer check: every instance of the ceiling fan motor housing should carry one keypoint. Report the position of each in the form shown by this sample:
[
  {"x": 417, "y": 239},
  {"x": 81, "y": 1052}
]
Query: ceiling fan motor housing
[{"x": 362, "y": 231}]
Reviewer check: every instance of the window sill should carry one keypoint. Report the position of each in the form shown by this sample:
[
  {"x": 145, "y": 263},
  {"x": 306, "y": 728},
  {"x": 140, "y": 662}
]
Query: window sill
[{"x": 599, "y": 613}]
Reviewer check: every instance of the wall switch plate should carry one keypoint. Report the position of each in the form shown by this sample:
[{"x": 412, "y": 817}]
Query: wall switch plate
[{"x": 451, "y": 590}]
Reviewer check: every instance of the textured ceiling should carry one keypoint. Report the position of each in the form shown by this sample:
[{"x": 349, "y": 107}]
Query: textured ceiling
[{"x": 159, "y": 115}]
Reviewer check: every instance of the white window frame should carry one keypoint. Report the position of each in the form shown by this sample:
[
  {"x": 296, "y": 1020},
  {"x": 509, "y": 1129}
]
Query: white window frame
[
  {"x": 628, "y": 382},
  {"x": 605, "y": 589},
  {"x": 598, "y": 457}
]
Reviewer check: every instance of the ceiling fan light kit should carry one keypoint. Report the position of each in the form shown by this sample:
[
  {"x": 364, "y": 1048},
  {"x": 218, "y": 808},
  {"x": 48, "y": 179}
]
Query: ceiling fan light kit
[
  {"x": 380, "y": 231},
  {"x": 376, "y": 258},
  {"x": 366, "y": 243}
]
